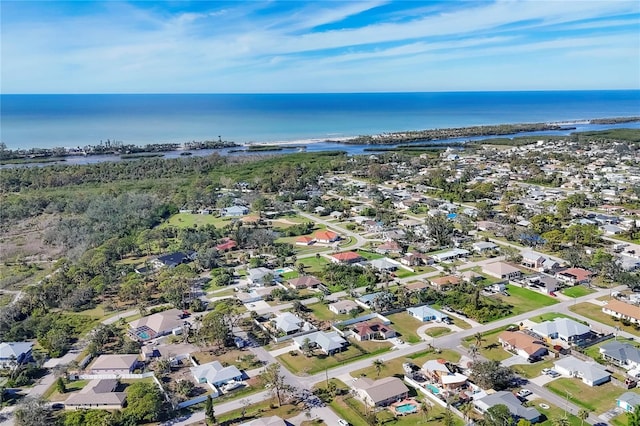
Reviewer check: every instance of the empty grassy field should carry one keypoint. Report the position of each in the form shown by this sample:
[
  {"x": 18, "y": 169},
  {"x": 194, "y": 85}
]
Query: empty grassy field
[
  {"x": 577, "y": 291},
  {"x": 406, "y": 325},
  {"x": 314, "y": 264},
  {"x": 489, "y": 348},
  {"x": 590, "y": 398},
  {"x": 551, "y": 316},
  {"x": 525, "y": 300}
]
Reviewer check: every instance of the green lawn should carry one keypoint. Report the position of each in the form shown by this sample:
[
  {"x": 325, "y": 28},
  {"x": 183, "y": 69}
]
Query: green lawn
[
  {"x": 532, "y": 370},
  {"x": 53, "y": 395},
  {"x": 260, "y": 410},
  {"x": 300, "y": 363},
  {"x": 577, "y": 291},
  {"x": 549, "y": 316},
  {"x": 322, "y": 312},
  {"x": 490, "y": 348},
  {"x": 403, "y": 273},
  {"x": 348, "y": 242},
  {"x": 314, "y": 264},
  {"x": 437, "y": 331},
  {"x": 369, "y": 255},
  {"x": 524, "y": 300},
  {"x": 394, "y": 366},
  {"x": 406, "y": 325},
  {"x": 188, "y": 220},
  {"x": 589, "y": 310},
  {"x": 554, "y": 412},
  {"x": 588, "y": 397}
]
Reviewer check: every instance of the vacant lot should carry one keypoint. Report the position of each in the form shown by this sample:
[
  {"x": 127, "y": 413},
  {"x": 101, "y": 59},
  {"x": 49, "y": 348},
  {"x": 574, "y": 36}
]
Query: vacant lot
[
  {"x": 577, "y": 291},
  {"x": 549, "y": 316},
  {"x": 406, "y": 325},
  {"x": 591, "y": 398},
  {"x": 188, "y": 220},
  {"x": 524, "y": 300},
  {"x": 553, "y": 413},
  {"x": 314, "y": 264},
  {"x": 594, "y": 312},
  {"x": 394, "y": 366},
  {"x": 489, "y": 348},
  {"x": 299, "y": 363}
]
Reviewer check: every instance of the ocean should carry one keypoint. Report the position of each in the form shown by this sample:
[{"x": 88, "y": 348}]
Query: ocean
[{"x": 47, "y": 121}]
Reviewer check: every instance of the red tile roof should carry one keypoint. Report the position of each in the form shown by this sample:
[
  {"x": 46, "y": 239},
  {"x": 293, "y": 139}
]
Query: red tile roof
[
  {"x": 325, "y": 235},
  {"x": 347, "y": 256}
]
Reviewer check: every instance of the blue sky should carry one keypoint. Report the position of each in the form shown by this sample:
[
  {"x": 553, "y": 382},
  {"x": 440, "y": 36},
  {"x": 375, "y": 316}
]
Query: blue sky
[{"x": 326, "y": 46}]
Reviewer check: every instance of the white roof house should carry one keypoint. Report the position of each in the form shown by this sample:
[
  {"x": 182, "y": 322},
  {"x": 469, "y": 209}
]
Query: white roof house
[
  {"x": 484, "y": 246},
  {"x": 288, "y": 322},
  {"x": 381, "y": 392},
  {"x": 14, "y": 352},
  {"x": 451, "y": 254},
  {"x": 114, "y": 364},
  {"x": 426, "y": 313},
  {"x": 511, "y": 402},
  {"x": 592, "y": 374},
  {"x": 562, "y": 328},
  {"x": 501, "y": 270},
  {"x": 214, "y": 374},
  {"x": 328, "y": 342},
  {"x": 257, "y": 275},
  {"x": 157, "y": 324}
]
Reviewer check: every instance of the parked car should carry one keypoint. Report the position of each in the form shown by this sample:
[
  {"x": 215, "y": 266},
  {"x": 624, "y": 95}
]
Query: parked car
[
  {"x": 343, "y": 422},
  {"x": 523, "y": 393}
]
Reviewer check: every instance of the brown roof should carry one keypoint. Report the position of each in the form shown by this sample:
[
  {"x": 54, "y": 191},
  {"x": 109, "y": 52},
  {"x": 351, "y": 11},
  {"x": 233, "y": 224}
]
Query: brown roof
[
  {"x": 304, "y": 281},
  {"x": 383, "y": 389},
  {"x": 529, "y": 344},
  {"x": 325, "y": 235},
  {"x": 416, "y": 286},
  {"x": 369, "y": 327},
  {"x": 626, "y": 309},
  {"x": 445, "y": 281},
  {"x": 579, "y": 273},
  {"x": 346, "y": 256}
]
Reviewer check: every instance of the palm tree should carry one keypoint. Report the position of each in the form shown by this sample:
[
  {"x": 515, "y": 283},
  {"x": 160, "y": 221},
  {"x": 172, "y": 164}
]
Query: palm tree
[
  {"x": 473, "y": 351},
  {"x": 467, "y": 409},
  {"x": 561, "y": 421},
  {"x": 378, "y": 364},
  {"x": 479, "y": 339},
  {"x": 424, "y": 409},
  {"x": 583, "y": 415}
]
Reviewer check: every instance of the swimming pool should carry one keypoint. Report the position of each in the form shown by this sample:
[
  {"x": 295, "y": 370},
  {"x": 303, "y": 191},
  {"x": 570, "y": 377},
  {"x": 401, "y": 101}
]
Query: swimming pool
[
  {"x": 143, "y": 335},
  {"x": 434, "y": 390},
  {"x": 406, "y": 408}
]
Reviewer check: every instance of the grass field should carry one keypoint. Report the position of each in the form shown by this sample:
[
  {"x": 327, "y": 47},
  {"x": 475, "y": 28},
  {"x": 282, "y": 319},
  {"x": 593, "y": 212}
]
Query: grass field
[
  {"x": 53, "y": 395},
  {"x": 394, "y": 366},
  {"x": 437, "y": 331},
  {"x": 588, "y": 397},
  {"x": 525, "y": 300},
  {"x": 369, "y": 255},
  {"x": 549, "y": 316},
  {"x": 577, "y": 291},
  {"x": 406, "y": 325},
  {"x": 314, "y": 264},
  {"x": 260, "y": 410},
  {"x": 554, "y": 412},
  {"x": 595, "y": 313},
  {"x": 532, "y": 370},
  {"x": 188, "y": 220},
  {"x": 321, "y": 312},
  {"x": 490, "y": 348},
  {"x": 300, "y": 363}
]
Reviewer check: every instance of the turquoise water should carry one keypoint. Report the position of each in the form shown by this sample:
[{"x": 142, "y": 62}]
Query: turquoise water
[
  {"x": 143, "y": 335},
  {"x": 434, "y": 390},
  {"x": 47, "y": 121},
  {"x": 406, "y": 408}
]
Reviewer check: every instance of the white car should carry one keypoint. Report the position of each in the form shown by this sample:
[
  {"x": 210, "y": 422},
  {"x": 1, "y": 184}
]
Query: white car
[
  {"x": 343, "y": 422},
  {"x": 523, "y": 393}
]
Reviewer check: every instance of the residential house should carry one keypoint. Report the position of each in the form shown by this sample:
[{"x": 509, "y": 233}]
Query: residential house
[
  {"x": 416, "y": 259},
  {"x": 172, "y": 260},
  {"x": 325, "y": 236},
  {"x": 471, "y": 276},
  {"x": 502, "y": 270},
  {"x": 484, "y": 246},
  {"x": 384, "y": 264},
  {"x": 382, "y": 392},
  {"x": 426, "y": 313},
  {"x": 114, "y": 364},
  {"x": 235, "y": 211},
  {"x": 619, "y": 309},
  {"x": 373, "y": 330},
  {"x": 543, "y": 282},
  {"x": 328, "y": 342},
  {"x": 305, "y": 240},
  {"x": 13, "y": 354},
  {"x": 446, "y": 282},
  {"x": 346, "y": 257},
  {"x": 415, "y": 286},
  {"x": 450, "y": 255},
  {"x": 517, "y": 410},
  {"x": 389, "y": 247},
  {"x": 523, "y": 344},
  {"x": 343, "y": 307},
  {"x": 534, "y": 260},
  {"x": 437, "y": 370},
  {"x": 366, "y": 300},
  {"x": 564, "y": 329},
  {"x": 592, "y": 374},
  {"x": 628, "y": 401},
  {"x": 97, "y": 394},
  {"x": 621, "y": 354},
  {"x": 158, "y": 324},
  {"x": 215, "y": 374},
  {"x": 575, "y": 276},
  {"x": 261, "y": 276},
  {"x": 305, "y": 281},
  {"x": 288, "y": 323}
]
